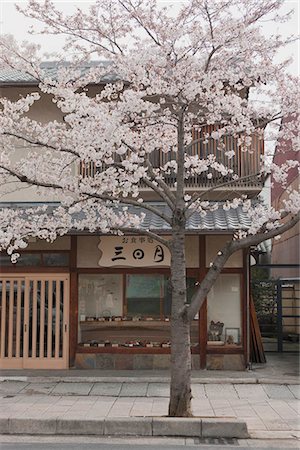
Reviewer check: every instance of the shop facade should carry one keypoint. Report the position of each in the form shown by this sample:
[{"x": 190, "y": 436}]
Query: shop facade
[{"x": 104, "y": 302}]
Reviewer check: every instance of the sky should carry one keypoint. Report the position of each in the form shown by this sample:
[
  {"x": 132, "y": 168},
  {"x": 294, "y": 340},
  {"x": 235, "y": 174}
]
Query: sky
[{"x": 12, "y": 22}]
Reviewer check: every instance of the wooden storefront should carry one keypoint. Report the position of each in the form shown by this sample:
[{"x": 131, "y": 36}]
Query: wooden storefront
[{"x": 117, "y": 316}]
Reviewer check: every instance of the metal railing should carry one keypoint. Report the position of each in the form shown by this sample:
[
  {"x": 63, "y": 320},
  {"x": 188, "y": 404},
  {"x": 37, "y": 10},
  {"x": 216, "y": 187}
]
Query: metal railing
[
  {"x": 277, "y": 304},
  {"x": 245, "y": 163}
]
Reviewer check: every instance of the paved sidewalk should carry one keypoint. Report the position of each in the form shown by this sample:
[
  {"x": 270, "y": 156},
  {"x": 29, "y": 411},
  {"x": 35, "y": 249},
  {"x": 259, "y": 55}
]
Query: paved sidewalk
[
  {"x": 269, "y": 410},
  {"x": 267, "y": 397}
]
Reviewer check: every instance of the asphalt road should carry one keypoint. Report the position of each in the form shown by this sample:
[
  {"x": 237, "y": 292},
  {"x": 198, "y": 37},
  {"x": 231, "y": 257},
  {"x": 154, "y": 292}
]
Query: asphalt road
[
  {"x": 120, "y": 446},
  {"x": 123, "y": 447}
]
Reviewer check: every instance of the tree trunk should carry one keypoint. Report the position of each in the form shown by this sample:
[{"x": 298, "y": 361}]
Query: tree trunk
[{"x": 180, "y": 389}]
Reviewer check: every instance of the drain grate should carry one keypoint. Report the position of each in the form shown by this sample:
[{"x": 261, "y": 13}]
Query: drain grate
[{"x": 216, "y": 441}]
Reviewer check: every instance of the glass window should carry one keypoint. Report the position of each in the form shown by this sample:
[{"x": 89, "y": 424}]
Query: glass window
[
  {"x": 56, "y": 259},
  {"x": 5, "y": 260},
  {"x": 144, "y": 295},
  {"x": 224, "y": 318},
  {"x": 30, "y": 259},
  {"x": 190, "y": 287},
  {"x": 37, "y": 259},
  {"x": 100, "y": 295},
  {"x": 145, "y": 319}
]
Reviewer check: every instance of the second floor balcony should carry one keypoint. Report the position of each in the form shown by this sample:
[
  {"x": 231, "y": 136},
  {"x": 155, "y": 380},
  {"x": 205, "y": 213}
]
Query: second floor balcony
[{"x": 244, "y": 164}]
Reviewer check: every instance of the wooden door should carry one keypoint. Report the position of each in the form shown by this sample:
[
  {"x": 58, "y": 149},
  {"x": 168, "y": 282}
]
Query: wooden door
[
  {"x": 11, "y": 322},
  {"x": 35, "y": 322}
]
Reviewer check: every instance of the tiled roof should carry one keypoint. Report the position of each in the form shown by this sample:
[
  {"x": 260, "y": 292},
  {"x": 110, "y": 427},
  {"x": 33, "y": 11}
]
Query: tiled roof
[
  {"x": 214, "y": 221},
  {"x": 12, "y": 76}
]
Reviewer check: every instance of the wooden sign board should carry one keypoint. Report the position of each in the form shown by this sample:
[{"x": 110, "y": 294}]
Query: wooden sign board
[{"x": 132, "y": 251}]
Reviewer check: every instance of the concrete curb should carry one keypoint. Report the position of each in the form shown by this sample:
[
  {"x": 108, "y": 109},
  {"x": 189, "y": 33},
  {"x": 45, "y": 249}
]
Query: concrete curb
[
  {"x": 215, "y": 380},
  {"x": 132, "y": 426}
]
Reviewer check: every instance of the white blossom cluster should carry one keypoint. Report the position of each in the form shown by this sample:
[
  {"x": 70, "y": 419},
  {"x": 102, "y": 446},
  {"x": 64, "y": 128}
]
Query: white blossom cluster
[{"x": 170, "y": 99}]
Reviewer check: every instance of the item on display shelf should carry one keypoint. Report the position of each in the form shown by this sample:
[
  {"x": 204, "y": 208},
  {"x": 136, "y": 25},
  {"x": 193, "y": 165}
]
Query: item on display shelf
[
  {"x": 216, "y": 343},
  {"x": 136, "y": 318},
  {"x": 101, "y": 319},
  {"x": 132, "y": 344},
  {"x": 115, "y": 344},
  {"x": 230, "y": 339},
  {"x": 94, "y": 344},
  {"x": 82, "y": 318},
  {"x": 166, "y": 344},
  {"x": 215, "y": 331},
  {"x": 167, "y": 319},
  {"x": 101, "y": 344},
  {"x": 149, "y": 344},
  {"x": 90, "y": 319},
  {"x": 107, "y": 343},
  {"x": 156, "y": 344},
  {"x": 232, "y": 336},
  {"x": 149, "y": 318},
  {"x": 86, "y": 344},
  {"x": 117, "y": 318}
]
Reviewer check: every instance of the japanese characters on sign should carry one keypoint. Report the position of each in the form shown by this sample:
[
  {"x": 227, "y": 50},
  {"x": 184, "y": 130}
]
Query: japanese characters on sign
[{"x": 132, "y": 251}]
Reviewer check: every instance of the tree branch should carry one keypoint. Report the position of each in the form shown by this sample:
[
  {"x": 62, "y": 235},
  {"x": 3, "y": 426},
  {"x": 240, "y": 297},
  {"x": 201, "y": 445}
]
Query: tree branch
[
  {"x": 41, "y": 144},
  {"x": 196, "y": 197},
  {"x": 104, "y": 197},
  {"x": 164, "y": 192},
  {"x": 189, "y": 311}
]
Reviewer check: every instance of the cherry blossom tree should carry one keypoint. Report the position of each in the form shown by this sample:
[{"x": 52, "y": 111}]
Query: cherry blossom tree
[{"x": 170, "y": 72}]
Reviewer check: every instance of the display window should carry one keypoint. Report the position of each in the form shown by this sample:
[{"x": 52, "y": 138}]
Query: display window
[
  {"x": 127, "y": 310},
  {"x": 224, "y": 319}
]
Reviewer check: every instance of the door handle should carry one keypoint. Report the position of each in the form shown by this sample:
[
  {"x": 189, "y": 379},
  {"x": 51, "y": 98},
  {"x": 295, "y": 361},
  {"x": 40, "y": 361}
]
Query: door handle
[
  {"x": 25, "y": 328},
  {"x": 66, "y": 327}
]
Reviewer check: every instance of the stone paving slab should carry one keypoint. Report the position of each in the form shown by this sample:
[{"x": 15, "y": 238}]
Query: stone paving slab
[
  {"x": 295, "y": 389},
  {"x": 251, "y": 392},
  {"x": 12, "y": 387},
  {"x": 221, "y": 391},
  {"x": 109, "y": 389},
  {"x": 158, "y": 390},
  {"x": 134, "y": 389},
  {"x": 38, "y": 388},
  {"x": 276, "y": 392},
  {"x": 72, "y": 389}
]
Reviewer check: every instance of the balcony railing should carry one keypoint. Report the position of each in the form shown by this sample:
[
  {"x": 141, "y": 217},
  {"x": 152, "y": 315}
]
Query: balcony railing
[{"x": 245, "y": 163}]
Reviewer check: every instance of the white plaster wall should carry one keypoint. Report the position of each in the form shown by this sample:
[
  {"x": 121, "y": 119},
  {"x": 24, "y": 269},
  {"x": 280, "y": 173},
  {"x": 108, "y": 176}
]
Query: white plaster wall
[
  {"x": 44, "y": 110},
  {"x": 214, "y": 244}
]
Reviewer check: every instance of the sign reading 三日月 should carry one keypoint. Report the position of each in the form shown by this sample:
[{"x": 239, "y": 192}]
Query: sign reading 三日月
[{"x": 132, "y": 251}]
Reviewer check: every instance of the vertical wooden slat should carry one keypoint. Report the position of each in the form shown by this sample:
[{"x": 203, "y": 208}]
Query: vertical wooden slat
[
  {"x": 73, "y": 305},
  {"x": 3, "y": 319},
  {"x": 18, "y": 319},
  {"x": 26, "y": 317},
  {"x": 34, "y": 319},
  {"x": 10, "y": 319},
  {"x": 49, "y": 327},
  {"x": 65, "y": 348},
  {"x": 42, "y": 319},
  {"x": 57, "y": 318}
]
